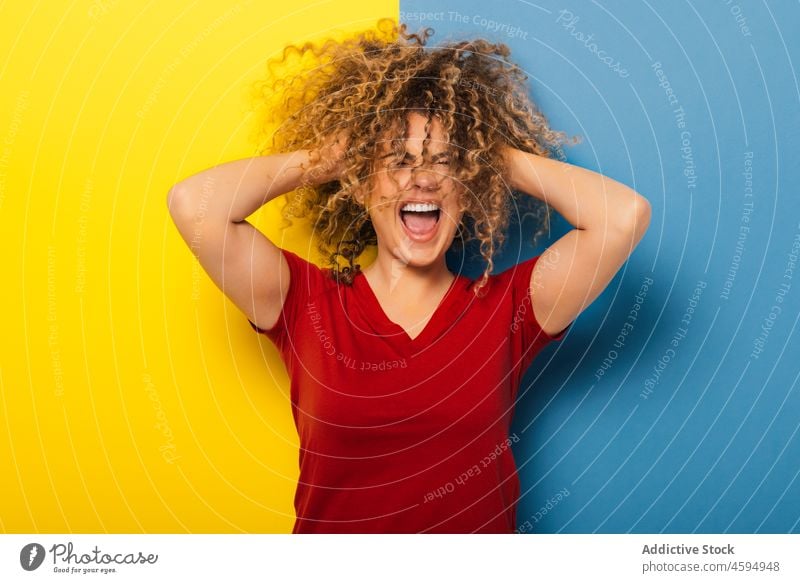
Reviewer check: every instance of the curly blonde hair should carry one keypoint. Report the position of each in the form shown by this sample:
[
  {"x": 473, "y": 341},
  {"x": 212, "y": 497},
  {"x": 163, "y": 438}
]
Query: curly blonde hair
[{"x": 365, "y": 85}]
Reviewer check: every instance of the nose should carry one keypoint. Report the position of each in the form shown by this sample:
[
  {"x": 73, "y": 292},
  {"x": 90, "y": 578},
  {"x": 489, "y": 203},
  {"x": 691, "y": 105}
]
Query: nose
[{"x": 424, "y": 179}]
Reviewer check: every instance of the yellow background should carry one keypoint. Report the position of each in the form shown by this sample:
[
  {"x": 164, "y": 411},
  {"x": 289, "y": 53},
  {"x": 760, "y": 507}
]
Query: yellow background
[{"x": 134, "y": 397}]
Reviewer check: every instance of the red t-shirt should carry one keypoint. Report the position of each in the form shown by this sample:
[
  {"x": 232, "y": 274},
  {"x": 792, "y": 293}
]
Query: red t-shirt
[{"x": 400, "y": 435}]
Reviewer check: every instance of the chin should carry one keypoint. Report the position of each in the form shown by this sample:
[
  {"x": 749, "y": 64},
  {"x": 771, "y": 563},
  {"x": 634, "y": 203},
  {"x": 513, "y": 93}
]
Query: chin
[{"x": 418, "y": 254}]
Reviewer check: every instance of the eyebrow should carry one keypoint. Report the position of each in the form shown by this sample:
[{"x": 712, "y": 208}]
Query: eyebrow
[{"x": 408, "y": 155}]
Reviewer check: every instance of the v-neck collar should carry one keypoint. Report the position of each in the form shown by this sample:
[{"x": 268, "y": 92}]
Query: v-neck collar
[{"x": 395, "y": 332}]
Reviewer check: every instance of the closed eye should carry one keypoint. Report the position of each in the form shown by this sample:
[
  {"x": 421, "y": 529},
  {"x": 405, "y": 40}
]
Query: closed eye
[
  {"x": 408, "y": 160},
  {"x": 396, "y": 162}
]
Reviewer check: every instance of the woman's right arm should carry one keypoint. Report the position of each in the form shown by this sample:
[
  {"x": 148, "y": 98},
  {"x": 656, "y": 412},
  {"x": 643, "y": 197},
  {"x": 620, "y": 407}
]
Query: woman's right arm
[{"x": 209, "y": 210}]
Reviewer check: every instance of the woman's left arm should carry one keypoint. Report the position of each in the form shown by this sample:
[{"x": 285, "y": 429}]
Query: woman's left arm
[{"x": 609, "y": 219}]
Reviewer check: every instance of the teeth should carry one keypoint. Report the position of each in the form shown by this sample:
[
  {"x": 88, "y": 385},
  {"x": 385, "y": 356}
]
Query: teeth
[{"x": 419, "y": 207}]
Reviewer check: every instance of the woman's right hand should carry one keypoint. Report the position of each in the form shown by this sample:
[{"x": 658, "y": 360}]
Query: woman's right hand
[{"x": 332, "y": 155}]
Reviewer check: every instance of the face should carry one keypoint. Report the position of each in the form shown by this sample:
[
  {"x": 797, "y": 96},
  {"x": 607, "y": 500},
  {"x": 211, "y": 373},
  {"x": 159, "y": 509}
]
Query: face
[{"x": 415, "y": 204}]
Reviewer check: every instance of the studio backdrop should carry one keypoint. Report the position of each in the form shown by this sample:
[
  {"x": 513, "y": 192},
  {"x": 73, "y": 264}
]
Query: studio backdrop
[{"x": 134, "y": 397}]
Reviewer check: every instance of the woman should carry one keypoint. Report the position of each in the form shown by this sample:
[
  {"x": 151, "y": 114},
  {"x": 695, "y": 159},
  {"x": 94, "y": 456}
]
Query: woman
[{"x": 404, "y": 375}]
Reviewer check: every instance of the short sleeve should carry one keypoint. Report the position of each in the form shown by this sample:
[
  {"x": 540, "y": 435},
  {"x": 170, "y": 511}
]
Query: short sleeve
[
  {"x": 527, "y": 335},
  {"x": 306, "y": 280}
]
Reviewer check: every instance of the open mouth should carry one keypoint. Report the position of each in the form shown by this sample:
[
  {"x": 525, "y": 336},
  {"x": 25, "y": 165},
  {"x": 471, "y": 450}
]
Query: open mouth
[{"x": 420, "y": 219}]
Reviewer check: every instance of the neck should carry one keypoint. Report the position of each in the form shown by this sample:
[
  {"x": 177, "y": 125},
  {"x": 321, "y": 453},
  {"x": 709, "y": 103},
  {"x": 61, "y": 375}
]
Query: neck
[{"x": 392, "y": 274}]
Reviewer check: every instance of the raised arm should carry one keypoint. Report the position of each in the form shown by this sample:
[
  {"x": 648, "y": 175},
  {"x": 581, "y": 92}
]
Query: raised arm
[
  {"x": 209, "y": 210},
  {"x": 609, "y": 219}
]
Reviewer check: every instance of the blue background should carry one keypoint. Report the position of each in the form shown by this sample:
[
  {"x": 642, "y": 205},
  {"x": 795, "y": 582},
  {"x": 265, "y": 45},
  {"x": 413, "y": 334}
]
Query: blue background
[{"x": 714, "y": 447}]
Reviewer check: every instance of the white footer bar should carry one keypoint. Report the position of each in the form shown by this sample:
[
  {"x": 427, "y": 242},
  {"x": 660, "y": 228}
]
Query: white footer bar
[{"x": 386, "y": 558}]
